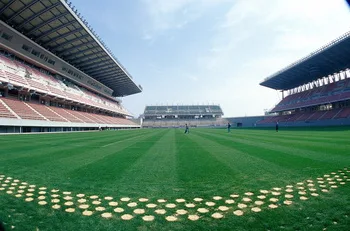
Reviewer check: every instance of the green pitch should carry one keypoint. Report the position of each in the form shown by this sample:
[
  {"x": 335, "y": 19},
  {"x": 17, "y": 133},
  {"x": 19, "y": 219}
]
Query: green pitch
[{"x": 164, "y": 179}]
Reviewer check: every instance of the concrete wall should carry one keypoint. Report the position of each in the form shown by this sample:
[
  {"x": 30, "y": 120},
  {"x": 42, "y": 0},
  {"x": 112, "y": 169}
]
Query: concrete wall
[{"x": 248, "y": 121}]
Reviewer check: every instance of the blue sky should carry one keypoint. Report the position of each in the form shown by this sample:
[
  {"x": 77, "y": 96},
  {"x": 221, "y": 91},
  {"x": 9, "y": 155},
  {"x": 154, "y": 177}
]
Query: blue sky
[{"x": 212, "y": 51}]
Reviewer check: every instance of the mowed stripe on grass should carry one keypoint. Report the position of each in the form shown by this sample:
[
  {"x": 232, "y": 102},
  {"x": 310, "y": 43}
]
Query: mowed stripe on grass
[{"x": 166, "y": 163}]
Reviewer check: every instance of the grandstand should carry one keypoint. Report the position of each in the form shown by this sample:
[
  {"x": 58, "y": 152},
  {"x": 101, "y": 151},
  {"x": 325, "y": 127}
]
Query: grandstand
[
  {"x": 56, "y": 74},
  {"x": 315, "y": 89},
  {"x": 179, "y": 115}
]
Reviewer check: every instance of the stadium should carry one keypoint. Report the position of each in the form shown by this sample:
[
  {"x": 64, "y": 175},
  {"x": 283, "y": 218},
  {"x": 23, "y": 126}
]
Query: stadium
[{"x": 72, "y": 157}]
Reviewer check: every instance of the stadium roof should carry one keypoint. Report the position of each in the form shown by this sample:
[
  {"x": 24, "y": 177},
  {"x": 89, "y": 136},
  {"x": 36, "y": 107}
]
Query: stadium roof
[
  {"x": 56, "y": 26},
  {"x": 329, "y": 59}
]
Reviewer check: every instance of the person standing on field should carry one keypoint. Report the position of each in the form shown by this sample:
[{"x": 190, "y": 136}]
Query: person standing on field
[
  {"x": 187, "y": 130},
  {"x": 276, "y": 126},
  {"x": 228, "y": 127}
]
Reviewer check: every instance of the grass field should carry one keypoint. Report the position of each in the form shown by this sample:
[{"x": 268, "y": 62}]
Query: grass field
[{"x": 206, "y": 180}]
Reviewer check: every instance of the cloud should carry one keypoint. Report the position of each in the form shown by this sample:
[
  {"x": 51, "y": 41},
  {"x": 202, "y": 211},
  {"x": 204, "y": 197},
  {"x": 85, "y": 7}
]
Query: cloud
[
  {"x": 175, "y": 14},
  {"x": 248, "y": 41}
]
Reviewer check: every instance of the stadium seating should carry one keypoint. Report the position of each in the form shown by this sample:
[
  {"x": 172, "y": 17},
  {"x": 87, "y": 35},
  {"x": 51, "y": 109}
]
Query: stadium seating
[
  {"x": 35, "y": 111},
  {"x": 22, "y": 109},
  {"x": 47, "y": 112},
  {"x": 4, "y": 111},
  {"x": 16, "y": 73},
  {"x": 308, "y": 116},
  {"x": 329, "y": 93}
]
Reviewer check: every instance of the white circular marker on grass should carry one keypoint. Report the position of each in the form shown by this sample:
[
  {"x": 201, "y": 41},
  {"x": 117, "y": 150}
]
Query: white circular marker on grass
[
  {"x": 261, "y": 197},
  {"x": 289, "y": 190},
  {"x": 288, "y": 196},
  {"x": 303, "y": 198},
  {"x": 56, "y": 206},
  {"x": 148, "y": 218},
  {"x": 209, "y": 203},
  {"x": 202, "y": 210},
  {"x": 82, "y": 200},
  {"x": 256, "y": 209},
  {"x": 259, "y": 202},
  {"x": 96, "y": 202},
  {"x": 83, "y": 206},
  {"x": 264, "y": 191},
  {"x": 42, "y": 202},
  {"x": 55, "y": 190},
  {"x": 246, "y": 199},
  {"x": 125, "y": 199},
  {"x": 275, "y": 193},
  {"x": 249, "y": 194},
  {"x": 171, "y": 218},
  {"x": 41, "y": 197},
  {"x": 171, "y": 205},
  {"x": 160, "y": 211},
  {"x": 287, "y": 202},
  {"x": 70, "y": 210},
  {"x": 180, "y": 200},
  {"x": 217, "y": 215},
  {"x": 113, "y": 203},
  {"x": 181, "y": 211},
  {"x": 161, "y": 200},
  {"x": 229, "y": 201},
  {"x": 193, "y": 217},
  {"x": 68, "y": 203},
  {"x": 68, "y": 198},
  {"x": 87, "y": 213},
  {"x": 100, "y": 208},
  {"x": 234, "y": 195},
  {"x": 238, "y": 212},
  {"x": 29, "y": 194},
  {"x": 242, "y": 206},
  {"x": 9, "y": 192},
  {"x": 314, "y": 194},
  {"x": 273, "y": 206},
  {"x": 197, "y": 199},
  {"x": 151, "y": 206},
  {"x": 108, "y": 198},
  {"x": 302, "y": 193},
  {"x": 18, "y": 195},
  {"x": 217, "y": 198},
  {"x": 106, "y": 215},
  {"x": 223, "y": 208},
  {"x": 55, "y": 195},
  {"x": 132, "y": 204},
  {"x": 80, "y": 195},
  {"x": 139, "y": 211},
  {"x": 126, "y": 217},
  {"x": 190, "y": 205},
  {"x": 118, "y": 210},
  {"x": 143, "y": 199},
  {"x": 274, "y": 199},
  {"x": 42, "y": 188},
  {"x": 67, "y": 193},
  {"x": 334, "y": 186}
]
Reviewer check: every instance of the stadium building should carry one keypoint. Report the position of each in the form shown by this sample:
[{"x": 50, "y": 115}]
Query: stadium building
[
  {"x": 179, "y": 115},
  {"x": 56, "y": 74},
  {"x": 315, "y": 90}
]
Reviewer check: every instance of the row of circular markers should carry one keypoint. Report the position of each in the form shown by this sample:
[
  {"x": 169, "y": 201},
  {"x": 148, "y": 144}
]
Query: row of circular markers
[{"x": 9, "y": 185}]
